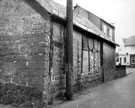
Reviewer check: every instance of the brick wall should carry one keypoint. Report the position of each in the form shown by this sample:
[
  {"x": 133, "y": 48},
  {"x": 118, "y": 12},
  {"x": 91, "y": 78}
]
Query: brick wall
[{"x": 24, "y": 44}]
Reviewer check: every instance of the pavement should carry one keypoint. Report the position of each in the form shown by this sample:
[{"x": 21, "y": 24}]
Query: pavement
[
  {"x": 119, "y": 93},
  {"x": 6, "y": 106},
  {"x": 130, "y": 70}
]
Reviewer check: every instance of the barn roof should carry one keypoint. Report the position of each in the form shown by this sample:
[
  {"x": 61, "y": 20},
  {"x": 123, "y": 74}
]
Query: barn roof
[
  {"x": 77, "y": 6},
  {"x": 60, "y": 11},
  {"x": 130, "y": 41}
]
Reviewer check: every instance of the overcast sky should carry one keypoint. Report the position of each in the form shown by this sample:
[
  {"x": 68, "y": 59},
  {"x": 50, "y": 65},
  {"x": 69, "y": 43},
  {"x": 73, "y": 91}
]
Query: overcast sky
[{"x": 120, "y": 12}]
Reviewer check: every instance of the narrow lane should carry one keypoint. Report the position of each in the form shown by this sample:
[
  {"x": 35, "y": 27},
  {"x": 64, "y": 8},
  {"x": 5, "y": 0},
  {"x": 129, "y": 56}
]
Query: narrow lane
[{"x": 119, "y": 93}]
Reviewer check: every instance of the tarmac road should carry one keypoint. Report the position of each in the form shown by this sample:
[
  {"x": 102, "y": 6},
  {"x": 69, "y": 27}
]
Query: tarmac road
[{"x": 119, "y": 93}]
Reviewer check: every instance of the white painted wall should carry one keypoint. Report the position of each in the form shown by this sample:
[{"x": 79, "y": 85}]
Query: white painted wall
[
  {"x": 122, "y": 56},
  {"x": 130, "y": 49},
  {"x": 125, "y": 52}
]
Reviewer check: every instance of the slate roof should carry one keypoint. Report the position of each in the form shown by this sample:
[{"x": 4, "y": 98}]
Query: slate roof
[
  {"x": 124, "y": 40},
  {"x": 60, "y": 11},
  {"x": 130, "y": 41},
  {"x": 77, "y": 6}
]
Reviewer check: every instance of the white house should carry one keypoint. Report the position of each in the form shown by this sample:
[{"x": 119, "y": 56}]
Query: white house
[{"x": 126, "y": 53}]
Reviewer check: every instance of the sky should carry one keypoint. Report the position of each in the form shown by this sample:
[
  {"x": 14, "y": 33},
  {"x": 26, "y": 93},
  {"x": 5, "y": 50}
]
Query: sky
[{"x": 119, "y": 12}]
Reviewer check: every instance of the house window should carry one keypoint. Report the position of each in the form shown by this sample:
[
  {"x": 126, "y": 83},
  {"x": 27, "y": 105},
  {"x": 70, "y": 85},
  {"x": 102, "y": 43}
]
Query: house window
[
  {"x": 110, "y": 33},
  {"x": 125, "y": 60},
  {"x": 85, "y": 55},
  {"x": 85, "y": 62},
  {"x": 117, "y": 59},
  {"x": 120, "y": 60},
  {"x": 105, "y": 29},
  {"x": 132, "y": 60}
]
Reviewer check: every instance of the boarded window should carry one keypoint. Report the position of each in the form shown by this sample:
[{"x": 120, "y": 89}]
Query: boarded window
[
  {"x": 91, "y": 55},
  {"x": 90, "y": 44},
  {"x": 95, "y": 57},
  {"x": 85, "y": 43},
  {"x": 85, "y": 62},
  {"x": 105, "y": 29},
  {"x": 110, "y": 33},
  {"x": 96, "y": 61},
  {"x": 58, "y": 31},
  {"x": 97, "y": 45},
  {"x": 91, "y": 62},
  {"x": 99, "y": 59}
]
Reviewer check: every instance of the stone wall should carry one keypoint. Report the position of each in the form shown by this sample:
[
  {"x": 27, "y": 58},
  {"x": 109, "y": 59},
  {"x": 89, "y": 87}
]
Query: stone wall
[
  {"x": 24, "y": 44},
  {"x": 120, "y": 71},
  {"x": 77, "y": 59},
  {"x": 82, "y": 79},
  {"x": 58, "y": 62},
  {"x": 87, "y": 65},
  {"x": 32, "y": 51}
]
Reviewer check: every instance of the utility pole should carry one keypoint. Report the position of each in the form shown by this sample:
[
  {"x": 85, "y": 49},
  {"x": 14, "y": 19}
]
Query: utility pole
[{"x": 69, "y": 51}]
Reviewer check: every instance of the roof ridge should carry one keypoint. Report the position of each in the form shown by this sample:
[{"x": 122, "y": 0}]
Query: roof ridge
[
  {"x": 130, "y": 41},
  {"x": 43, "y": 4}
]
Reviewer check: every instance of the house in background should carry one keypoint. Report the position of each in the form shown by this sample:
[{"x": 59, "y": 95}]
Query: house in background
[
  {"x": 123, "y": 59},
  {"x": 33, "y": 47},
  {"x": 127, "y": 53}
]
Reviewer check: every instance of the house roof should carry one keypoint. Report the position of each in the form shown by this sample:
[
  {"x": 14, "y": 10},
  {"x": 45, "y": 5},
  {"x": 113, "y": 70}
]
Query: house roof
[
  {"x": 124, "y": 40},
  {"x": 77, "y": 6},
  {"x": 130, "y": 41},
  {"x": 60, "y": 11}
]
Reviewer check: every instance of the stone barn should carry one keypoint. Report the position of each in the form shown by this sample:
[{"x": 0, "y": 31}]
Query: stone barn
[{"x": 32, "y": 49}]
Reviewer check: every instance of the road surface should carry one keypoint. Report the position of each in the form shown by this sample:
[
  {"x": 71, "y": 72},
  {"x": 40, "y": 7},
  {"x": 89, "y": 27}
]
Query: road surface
[{"x": 119, "y": 93}]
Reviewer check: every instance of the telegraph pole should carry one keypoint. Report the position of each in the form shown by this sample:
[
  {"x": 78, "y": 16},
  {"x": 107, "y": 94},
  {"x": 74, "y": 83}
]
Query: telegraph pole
[{"x": 69, "y": 51}]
